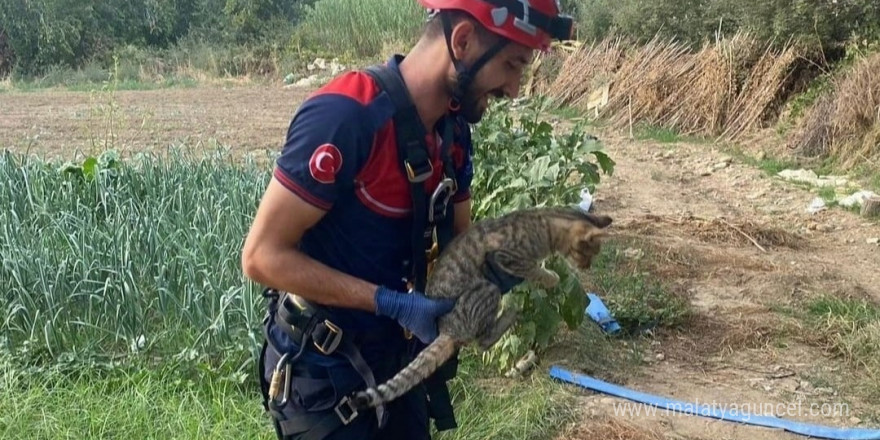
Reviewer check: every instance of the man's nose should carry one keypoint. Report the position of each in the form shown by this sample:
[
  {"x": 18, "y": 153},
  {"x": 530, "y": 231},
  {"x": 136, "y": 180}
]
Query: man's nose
[{"x": 511, "y": 89}]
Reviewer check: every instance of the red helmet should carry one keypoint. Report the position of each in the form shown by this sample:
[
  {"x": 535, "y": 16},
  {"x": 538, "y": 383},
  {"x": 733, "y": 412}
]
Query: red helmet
[{"x": 532, "y": 23}]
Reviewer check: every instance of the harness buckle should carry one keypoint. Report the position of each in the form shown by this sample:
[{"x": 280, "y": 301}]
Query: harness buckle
[
  {"x": 347, "y": 402},
  {"x": 418, "y": 173},
  {"x": 440, "y": 199},
  {"x": 331, "y": 342}
]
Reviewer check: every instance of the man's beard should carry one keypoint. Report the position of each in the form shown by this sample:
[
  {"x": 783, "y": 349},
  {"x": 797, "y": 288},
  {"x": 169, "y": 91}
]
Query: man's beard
[{"x": 470, "y": 109}]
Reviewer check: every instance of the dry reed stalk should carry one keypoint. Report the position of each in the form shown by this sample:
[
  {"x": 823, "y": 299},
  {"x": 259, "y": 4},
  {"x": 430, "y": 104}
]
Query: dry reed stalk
[
  {"x": 761, "y": 90},
  {"x": 709, "y": 99},
  {"x": 588, "y": 68},
  {"x": 646, "y": 78},
  {"x": 727, "y": 88},
  {"x": 699, "y": 103},
  {"x": 812, "y": 135},
  {"x": 856, "y": 121},
  {"x": 544, "y": 71}
]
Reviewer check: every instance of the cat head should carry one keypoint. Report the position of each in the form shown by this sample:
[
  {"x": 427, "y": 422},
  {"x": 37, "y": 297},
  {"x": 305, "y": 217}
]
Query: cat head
[{"x": 585, "y": 236}]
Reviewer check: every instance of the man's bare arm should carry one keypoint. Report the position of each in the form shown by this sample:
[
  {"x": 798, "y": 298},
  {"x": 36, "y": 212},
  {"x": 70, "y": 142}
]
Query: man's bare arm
[{"x": 270, "y": 256}]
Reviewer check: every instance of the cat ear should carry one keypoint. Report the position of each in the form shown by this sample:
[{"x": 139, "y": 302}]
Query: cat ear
[{"x": 598, "y": 220}]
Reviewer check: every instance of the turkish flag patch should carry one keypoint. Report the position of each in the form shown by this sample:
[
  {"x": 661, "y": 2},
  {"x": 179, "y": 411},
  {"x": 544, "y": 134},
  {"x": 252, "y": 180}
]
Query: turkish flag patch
[{"x": 325, "y": 162}]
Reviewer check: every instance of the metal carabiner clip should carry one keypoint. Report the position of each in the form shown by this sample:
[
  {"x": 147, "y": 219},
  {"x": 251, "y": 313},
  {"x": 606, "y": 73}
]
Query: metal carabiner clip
[
  {"x": 444, "y": 189},
  {"x": 276, "y": 381}
]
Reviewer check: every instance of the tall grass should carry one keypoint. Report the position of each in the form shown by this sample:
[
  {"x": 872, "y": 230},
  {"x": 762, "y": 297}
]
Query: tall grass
[
  {"x": 144, "y": 258},
  {"x": 361, "y": 27}
]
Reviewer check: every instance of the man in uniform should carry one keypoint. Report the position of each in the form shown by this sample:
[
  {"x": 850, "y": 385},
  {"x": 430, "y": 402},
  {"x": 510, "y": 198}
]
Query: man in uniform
[{"x": 373, "y": 180}]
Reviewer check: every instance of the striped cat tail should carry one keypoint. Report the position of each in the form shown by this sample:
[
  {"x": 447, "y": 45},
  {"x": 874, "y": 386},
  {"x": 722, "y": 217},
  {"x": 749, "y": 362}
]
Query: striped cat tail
[{"x": 425, "y": 364}]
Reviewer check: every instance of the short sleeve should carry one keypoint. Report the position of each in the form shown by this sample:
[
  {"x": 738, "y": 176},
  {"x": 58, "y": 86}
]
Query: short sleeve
[
  {"x": 462, "y": 156},
  {"x": 324, "y": 148}
]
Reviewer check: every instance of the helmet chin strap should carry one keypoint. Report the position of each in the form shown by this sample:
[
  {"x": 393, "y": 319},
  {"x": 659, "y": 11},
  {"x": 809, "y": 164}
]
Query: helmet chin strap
[{"x": 464, "y": 75}]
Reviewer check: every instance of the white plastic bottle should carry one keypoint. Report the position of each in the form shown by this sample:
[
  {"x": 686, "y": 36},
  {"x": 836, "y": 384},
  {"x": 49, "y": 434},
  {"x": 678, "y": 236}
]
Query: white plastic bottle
[{"x": 586, "y": 200}]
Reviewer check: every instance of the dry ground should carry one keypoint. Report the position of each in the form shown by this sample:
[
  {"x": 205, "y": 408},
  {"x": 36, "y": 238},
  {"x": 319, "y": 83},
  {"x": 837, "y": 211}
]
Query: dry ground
[
  {"x": 738, "y": 243},
  {"x": 59, "y": 123}
]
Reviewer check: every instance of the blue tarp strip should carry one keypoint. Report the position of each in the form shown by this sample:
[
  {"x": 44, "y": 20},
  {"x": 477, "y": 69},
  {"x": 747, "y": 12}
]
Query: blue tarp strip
[{"x": 809, "y": 430}]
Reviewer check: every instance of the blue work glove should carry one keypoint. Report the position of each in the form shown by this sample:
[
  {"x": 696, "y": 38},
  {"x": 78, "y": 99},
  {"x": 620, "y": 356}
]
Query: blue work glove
[{"x": 414, "y": 311}]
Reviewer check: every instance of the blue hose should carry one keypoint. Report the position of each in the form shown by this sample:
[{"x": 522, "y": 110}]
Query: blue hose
[{"x": 809, "y": 430}]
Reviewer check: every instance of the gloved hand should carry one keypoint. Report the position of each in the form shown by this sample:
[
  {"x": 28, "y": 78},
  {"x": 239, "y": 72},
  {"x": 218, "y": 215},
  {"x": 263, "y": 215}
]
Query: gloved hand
[{"x": 414, "y": 311}]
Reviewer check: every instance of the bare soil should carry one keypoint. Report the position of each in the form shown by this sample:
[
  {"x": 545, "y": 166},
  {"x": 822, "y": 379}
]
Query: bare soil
[
  {"x": 57, "y": 124},
  {"x": 738, "y": 243}
]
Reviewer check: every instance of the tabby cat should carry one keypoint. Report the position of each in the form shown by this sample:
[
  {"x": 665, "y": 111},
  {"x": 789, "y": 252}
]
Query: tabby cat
[{"x": 508, "y": 250}]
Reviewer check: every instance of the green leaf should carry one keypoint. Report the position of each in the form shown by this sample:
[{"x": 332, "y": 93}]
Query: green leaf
[
  {"x": 605, "y": 162},
  {"x": 89, "y": 166},
  {"x": 574, "y": 298},
  {"x": 539, "y": 168},
  {"x": 527, "y": 332},
  {"x": 546, "y": 321},
  {"x": 70, "y": 168}
]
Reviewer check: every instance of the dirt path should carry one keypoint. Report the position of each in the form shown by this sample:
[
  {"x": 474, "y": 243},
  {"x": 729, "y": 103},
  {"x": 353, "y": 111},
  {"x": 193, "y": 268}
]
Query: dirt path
[{"x": 737, "y": 351}]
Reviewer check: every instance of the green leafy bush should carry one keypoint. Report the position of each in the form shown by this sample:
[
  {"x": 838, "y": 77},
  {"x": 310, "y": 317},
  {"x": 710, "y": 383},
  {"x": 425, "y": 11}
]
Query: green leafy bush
[{"x": 521, "y": 161}]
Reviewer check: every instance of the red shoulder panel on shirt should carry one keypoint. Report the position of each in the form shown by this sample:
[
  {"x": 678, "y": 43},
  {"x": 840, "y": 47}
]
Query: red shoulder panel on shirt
[{"x": 357, "y": 85}]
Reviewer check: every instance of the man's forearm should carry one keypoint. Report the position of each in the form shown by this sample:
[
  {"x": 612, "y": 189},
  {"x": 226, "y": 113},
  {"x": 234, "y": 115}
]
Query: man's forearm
[{"x": 295, "y": 272}]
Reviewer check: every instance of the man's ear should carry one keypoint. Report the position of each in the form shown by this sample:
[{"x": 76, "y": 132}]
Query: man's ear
[{"x": 464, "y": 39}]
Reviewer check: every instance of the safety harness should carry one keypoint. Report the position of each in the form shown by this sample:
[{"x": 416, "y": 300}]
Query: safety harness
[
  {"x": 309, "y": 325},
  {"x": 432, "y": 214}
]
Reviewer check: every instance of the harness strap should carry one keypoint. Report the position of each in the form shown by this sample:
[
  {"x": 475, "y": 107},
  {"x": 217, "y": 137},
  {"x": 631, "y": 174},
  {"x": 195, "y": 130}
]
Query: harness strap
[
  {"x": 413, "y": 154},
  {"x": 498, "y": 276},
  {"x": 300, "y": 318},
  {"x": 411, "y": 138},
  {"x": 416, "y": 163},
  {"x": 465, "y": 75}
]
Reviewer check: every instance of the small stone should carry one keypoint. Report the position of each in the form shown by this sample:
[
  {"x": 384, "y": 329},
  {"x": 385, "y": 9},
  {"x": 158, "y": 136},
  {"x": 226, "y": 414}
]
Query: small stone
[
  {"x": 707, "y": 173},
  {"x": 875, "y": 240},
  {"x": 634, "y": 254},
  {"x": 720, "y": 166},
  {"x": 816, "y": 205},
  {"x": 660, "y": 356},
  {"x": 761, "y": 155},
  {"x": 855, "y": 420}
]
